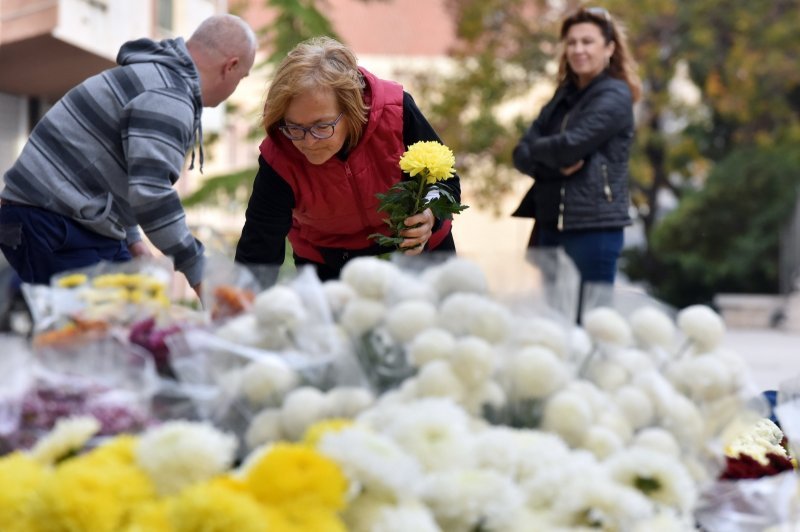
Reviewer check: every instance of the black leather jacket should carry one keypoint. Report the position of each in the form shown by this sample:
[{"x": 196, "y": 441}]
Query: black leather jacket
[{"x": 598, "y": 129}]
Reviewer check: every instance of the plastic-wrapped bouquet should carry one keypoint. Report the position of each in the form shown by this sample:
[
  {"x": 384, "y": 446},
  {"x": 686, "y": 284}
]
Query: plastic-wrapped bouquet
[{"x": 427, "y": 163}]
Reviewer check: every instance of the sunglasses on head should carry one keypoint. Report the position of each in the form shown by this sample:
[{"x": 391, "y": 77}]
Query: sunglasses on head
[{"x": 599, "y": 12}]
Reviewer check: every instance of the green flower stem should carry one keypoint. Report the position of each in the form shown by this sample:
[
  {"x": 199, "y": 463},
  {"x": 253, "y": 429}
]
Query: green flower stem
[{"x": 419, "y": 193}]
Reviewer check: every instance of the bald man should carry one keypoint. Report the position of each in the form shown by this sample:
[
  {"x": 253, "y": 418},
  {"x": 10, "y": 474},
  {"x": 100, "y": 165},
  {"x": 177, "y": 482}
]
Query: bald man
[{"x": 103, "y": 161}]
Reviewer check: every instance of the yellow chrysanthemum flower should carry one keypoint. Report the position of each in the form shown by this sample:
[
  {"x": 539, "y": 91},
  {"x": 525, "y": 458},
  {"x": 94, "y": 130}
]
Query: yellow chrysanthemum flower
[
  {"x": 297, "y": 474},
  {"x": 71, "y": 281},
  {"x": 315, "y": 432},
  {"x": 215, "y": 507},
  {"x": 120, "y": 449},
  {"x": 432, "y": 159},
  {"x": 20, "y": 477},
  {"x": 80, "y": 495},
  {"x": 295, "y": 518},
  {"x": 150, "y": 517}
]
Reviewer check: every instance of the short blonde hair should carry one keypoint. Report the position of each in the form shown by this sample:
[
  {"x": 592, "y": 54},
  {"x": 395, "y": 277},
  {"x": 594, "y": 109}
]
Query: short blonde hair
[{"x": 318, "y": 63}]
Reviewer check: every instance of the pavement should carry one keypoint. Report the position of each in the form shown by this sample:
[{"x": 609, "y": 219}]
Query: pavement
[{"x": 772, "y": 354}]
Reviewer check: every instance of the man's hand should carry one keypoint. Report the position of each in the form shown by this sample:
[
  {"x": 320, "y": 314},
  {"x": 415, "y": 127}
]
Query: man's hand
[
  {"x": 419, "y": 231},
  {"x": 139, "y": 249}
]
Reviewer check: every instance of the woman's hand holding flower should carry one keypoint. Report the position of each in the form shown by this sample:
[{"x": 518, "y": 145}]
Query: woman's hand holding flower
[{"x": 420, "y": 229}]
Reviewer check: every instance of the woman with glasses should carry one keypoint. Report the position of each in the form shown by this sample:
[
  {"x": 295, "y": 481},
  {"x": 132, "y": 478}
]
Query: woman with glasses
[
  {"x": 577, "y": 149},
  {"x": 335, "y": 135}
]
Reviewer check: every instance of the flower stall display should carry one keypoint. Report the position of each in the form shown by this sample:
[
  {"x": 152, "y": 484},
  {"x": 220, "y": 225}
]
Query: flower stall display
[{"x": 413, "y": 398}]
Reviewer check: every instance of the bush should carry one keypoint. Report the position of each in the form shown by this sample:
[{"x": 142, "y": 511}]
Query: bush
[{"x": 724, "y": 237}]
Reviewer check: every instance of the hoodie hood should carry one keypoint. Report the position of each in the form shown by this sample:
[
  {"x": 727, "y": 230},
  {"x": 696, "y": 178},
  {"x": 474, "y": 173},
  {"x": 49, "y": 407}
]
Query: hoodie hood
[{"x": 172, "y": 54}]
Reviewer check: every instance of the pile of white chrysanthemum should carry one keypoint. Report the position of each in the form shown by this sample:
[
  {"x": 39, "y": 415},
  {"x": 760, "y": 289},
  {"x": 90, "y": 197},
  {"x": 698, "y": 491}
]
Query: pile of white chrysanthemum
[{"x": 623, "y": 415}]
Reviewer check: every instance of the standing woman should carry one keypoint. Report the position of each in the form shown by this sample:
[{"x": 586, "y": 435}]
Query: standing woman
[
  {"x": 577, "y": 149},
  {"x": 335, "y": 135}
]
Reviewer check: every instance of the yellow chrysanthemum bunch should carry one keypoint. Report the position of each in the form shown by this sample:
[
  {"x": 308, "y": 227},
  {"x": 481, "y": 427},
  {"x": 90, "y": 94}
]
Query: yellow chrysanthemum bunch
[
  {"x": 432, "y": 160},
  {"x": 428, "y": 164}
]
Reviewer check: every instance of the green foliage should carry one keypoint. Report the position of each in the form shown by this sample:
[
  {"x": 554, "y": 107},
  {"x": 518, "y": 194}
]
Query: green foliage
[
  {"x": 296, "y": 21},
  {"x": 724, "y": 237},
  {"x": 408, "y": 197}
]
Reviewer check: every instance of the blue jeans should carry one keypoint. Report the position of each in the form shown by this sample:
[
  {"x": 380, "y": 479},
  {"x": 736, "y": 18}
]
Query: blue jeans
[
  {"x": 594, "y": 251},
  {"x": 39, "y": 243}
]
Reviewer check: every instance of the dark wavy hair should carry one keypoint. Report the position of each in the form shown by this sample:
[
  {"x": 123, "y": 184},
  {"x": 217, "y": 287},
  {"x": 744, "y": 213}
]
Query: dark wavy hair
[{"x": 621, "y": 65}]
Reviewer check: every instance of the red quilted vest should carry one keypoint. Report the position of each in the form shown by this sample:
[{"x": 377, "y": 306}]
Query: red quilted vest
[{"x": 335, "y": 203}]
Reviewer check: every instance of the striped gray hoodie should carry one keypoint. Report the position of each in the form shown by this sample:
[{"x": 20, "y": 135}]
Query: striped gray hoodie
[{"x": 109, "y": 152}]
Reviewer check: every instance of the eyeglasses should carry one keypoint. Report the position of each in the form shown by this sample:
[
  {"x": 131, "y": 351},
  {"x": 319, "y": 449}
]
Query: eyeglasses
[
  {"x": 321, "y": 130},
  {"x": 599, "y": 12}
]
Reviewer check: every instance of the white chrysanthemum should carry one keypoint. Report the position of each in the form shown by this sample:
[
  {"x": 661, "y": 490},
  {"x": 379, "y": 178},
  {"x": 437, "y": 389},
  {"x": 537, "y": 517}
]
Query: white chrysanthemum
[
  {"x": 607, "y": 374},
  {"x": 178, "y": 454},
  {"x": 473, "y": 360},
  {"x": 437, "y": 379},
  {"x": 658, "y": 476},
  {"x": 684, "y": 420},
  {"x": 373, "y": 460},
  {"x": 635, "y": 405},
  {"x": 408, "y": 318},
  {"x": 348, "y": 401},
  {"x": 597, "y": 502},
  {"x": 535, "y": 372},
  {"x": 633, "y": 360},
  {"x": 467, "y": 499},
  {"x": 456, "y": 275},
  {"x": 265, "y": 427},
  {"x": 472, "y": 314},
  {"x": 279, "y": 306},
  {"x": 657, "y": 439},
  {"x": 435, "y": 431},
  {"x": 487, "y": 394},
  {"x": 701, "y": 325},
  {"x": 361, "y": 315},
  {"x": 67, "y": 437},
  {"x": 302, "y": 408},
  {"x": 606, "y": 325},
  {"x": 408, "y": 287},
  {"x": 598, "y": 400},
  {"x": 267, "y": 379},
  {"x": 580, "y": 343},
  {"x": 543, "y": 332},
  {"x": 545, "y": 483},
  {"x": 652, "y": 327},
  {"x": 431, "y": 344},
  {"x": 614, "y": 420},
  {"x": 602, "y": 441},
  {"x": 242, "y": 330},
  {"x": 338, "y": 295},
  {"x": 741, "y": 374},
  {"x": 518, "y": 454},
  {"x": 703, "y": 378},
  {"x": 757, "y": 441},
  {"x": 657, "y": 387},
  {"x": 569, "y": 415},
  {"x": 371, "y": 277},
  {"x": 372, "y": 513}
]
